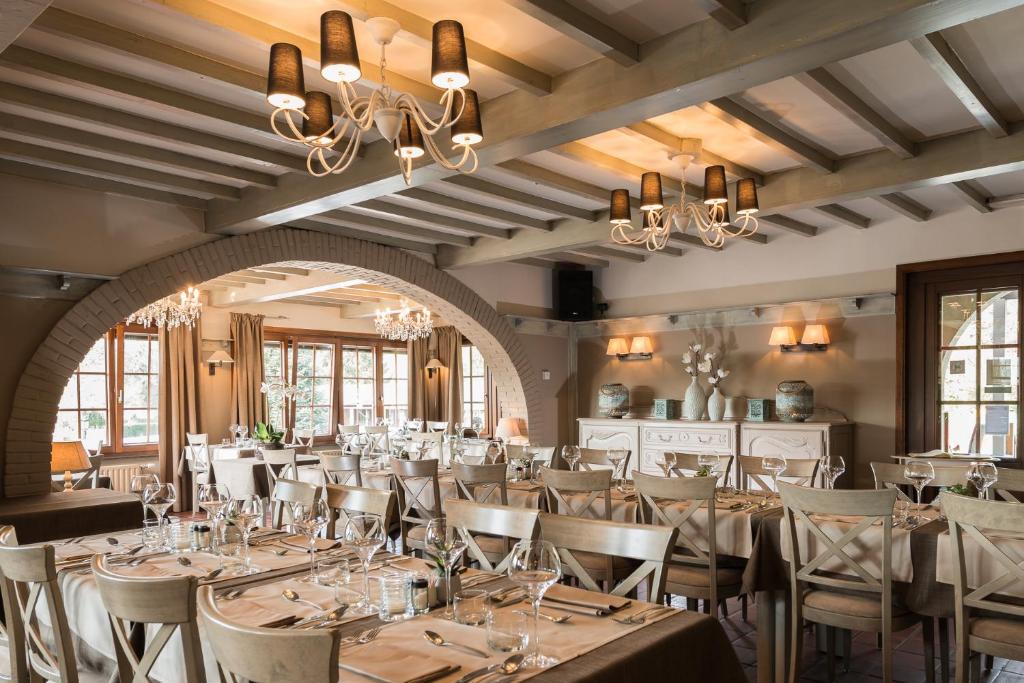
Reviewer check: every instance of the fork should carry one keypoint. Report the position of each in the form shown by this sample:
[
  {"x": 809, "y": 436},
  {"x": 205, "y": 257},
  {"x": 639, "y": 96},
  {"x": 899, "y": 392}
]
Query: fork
[
  {"x": 640, "y": 617},
  {"x": 363, "y": 638}
]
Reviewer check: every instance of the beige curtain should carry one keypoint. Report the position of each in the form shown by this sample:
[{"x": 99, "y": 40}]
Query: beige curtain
[
  {"x": 449, "y": 378},
  {"x": 247, "y": 402},
  {"x": 419, "y": 354},
  {"x": 179, "y": 405}
]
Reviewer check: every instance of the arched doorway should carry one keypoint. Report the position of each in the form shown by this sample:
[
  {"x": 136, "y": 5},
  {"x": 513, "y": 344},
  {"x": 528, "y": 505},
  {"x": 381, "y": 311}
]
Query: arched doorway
[{"x": 26, "y": 468}]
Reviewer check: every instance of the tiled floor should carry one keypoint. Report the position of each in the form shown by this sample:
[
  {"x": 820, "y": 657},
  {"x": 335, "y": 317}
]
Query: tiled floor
[{"x": 866, "y": 662}]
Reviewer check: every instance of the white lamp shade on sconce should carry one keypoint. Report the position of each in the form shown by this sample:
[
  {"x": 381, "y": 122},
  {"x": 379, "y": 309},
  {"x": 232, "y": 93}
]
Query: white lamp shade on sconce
[
  {"x": 219, "y": 357},
  {"x": 617, "y": 347},
  {"x": 782, "y": 336},
  {"x": 641, "y": 345},
  {"x": 507, "y": 428},
  {"x": 815, "y": 334}
]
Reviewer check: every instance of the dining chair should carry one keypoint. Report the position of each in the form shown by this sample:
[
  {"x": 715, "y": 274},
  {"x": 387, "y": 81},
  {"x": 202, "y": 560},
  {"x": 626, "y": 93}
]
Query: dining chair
[
  {"x": 197, "y": 460},
  {"x": 696, "y": 572},
  {"x": 344, "y": 501},
  {"x": 987, "y": 619},
  {"x": 379, "y": 438},
  {"x": 90, "y": 479},
  {"x": 490, "y": 531},
  {"x": 890, "y": 475},
  {"x": 470, "y": 433},
  {"x": 437, "y": 426},
  {"x": 799, "y": 471},
  {"x": 266, "y": 655},
  {"x": 31, "y": 574},
  {"x": 169, "y": 602},
  {"x": 854, "y": 597},
  {"x": 288, "y": 492},
  {"x": 416, "y": 479},
  {"x": 340, "y": 467},
  {"x": 348, "y": 429},
  {"x": 597, "y": 458},
  {"x": 1009, "y": 486},
  {"x": 432, "y": 441},
  {"x": 414, "y": 425},
  {"x": 284, "y": 460},
  {"x": 302, "y": 437},
  {"x": 688, "y": 462},
  {"x": 648, "y": 546},
  {"x": 12, "y": 631},
  {"x": 481, "y": 483}
]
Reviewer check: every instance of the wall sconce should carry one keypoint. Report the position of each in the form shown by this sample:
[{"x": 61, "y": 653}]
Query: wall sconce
[
  {"x": 815, "y": 338},
  {"x": 217, "y": 360},
  {"x": 639, "y": 348},
  {"x": 433, "y": 365}
]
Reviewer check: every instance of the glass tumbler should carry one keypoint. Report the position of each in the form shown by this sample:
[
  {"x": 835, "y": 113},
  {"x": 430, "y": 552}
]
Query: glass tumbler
[
  {"x": 396, "y": 597},
  {"x": 507, "y": 630}
]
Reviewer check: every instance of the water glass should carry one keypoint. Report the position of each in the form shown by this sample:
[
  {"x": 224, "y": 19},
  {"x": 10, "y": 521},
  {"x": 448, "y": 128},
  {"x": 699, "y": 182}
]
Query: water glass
[
  {"x": 507, "y": 630},
  {"x": 179, "y": 537},
  {"x": 901, "y": 512},
  {"x": 152, "y": 534},
  {"x": 471, "y": 607},
  {"x": 396, "y": 597}
]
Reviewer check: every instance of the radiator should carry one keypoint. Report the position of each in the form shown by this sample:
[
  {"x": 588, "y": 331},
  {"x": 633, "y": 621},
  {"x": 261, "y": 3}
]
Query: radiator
[{"x": 121, "y": 475}]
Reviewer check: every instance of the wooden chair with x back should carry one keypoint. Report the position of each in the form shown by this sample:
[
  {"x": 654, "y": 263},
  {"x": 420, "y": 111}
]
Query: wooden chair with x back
[
  {"x": 288, "y": 492},
  {"x": 12, "y": 631},
  {"x": 1009, "y": 486},
  {"x": 490, "y": 531},
  {"x": 419, "y": 499},
  {"x": 481, "y": 483},
  {"x": 687, "y": 463},
  {"x": 340, "y": 468},
  {"x": 348, "y": 500},
  {"x": 799, "y": 472}
]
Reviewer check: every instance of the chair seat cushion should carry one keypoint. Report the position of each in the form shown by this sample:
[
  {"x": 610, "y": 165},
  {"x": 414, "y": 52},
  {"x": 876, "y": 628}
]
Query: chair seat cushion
[
  {"x": 850, "y": 604},
  {"x": 1008, "y": 631},
  {"x": 595, "y": 562},
  {"x": 417, "y": 533},
  {"x": 492, "y": 545},
  {"x": 689, "y": 575}
]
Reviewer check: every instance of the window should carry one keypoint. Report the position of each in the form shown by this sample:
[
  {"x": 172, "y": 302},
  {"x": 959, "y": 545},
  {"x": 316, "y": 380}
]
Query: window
[
  {"x": 395, "y": 386},
  {"x": 314, "y": 378},
  {"x": 358, "y": 385},
  {"x": 139, "y": 389},
  {"x": 474, "y": 389},
  {"x": 273, "y": 371},
  {"x": 83, "y": 407}
]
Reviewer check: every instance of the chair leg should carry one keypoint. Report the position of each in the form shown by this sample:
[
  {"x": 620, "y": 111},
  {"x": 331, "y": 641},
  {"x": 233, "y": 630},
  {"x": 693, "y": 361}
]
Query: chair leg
[
  {"x": 743, "y": 606},
  {"x": 974, "y": 668},
  {"x": 847, "y": 649},
  {"x": 988, "y": 663},
  {"x": 830, "y": 652},
  {"x": 691, "y": 605},
  {"x": 725, "y": 608},
  {"x": 928, "y": 636},
  {"x": 795, "y": 646},
  {"x": 944, "y": 650},
  {"x": 887, "y": 651}
]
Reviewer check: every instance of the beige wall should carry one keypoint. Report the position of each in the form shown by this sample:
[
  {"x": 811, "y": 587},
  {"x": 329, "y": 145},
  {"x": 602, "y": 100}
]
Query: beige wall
[{"x": 855, "y": 376}]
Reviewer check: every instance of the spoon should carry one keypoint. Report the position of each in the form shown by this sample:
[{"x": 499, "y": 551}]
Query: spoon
[
  {"x": 113, "y": 541},
  {"x": 184, "y": 562},
  {"x": 558, "y": 620},
  {"x": 289, "y": 594},
  {"x": 213, "y": 574},
  {"x": 506, "y": 668},
  {"x": 438, "y": 640},
  {"x": 280, "y": 552}
]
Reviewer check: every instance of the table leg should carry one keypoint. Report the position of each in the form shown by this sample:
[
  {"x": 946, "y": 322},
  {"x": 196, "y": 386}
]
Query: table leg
[
  {"x": 765, "y": 636},
  {"x": 782, "y": 618}
]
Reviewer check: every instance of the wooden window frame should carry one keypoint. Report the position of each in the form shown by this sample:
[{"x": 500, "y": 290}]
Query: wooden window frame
[
  {"x": 490, "y": 394},
  {"x": 119, "y": 447}
]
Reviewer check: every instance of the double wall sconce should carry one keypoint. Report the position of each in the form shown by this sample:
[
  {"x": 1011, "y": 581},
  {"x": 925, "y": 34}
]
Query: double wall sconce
[
  {"x": 433, "y": 365},
  {"x": 815, "y": 338},
  {"x": 217, "y": 360},
  {"x": 638, "y": 349}
]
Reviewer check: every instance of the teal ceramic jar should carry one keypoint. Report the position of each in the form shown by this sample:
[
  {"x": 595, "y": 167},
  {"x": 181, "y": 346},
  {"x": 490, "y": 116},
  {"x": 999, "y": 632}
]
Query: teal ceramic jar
[
  {"x": 613, "y": 400},
  {"x": 794, "y": 400}
]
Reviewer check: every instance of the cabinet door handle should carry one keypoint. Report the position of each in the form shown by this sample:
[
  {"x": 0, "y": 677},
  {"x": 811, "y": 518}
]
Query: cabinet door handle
[
  {"x": 703, "y": 439},
  {"x": 665, "y": 438}
]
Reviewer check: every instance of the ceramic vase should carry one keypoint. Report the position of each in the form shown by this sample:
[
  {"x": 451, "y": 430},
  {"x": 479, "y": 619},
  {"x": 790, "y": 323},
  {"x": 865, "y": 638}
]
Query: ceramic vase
[
  {"x": 716, "y": 406},
  {"x": 695, "y": 402},
  {"x": 735, "y": 408},
  {"x": 613, "y": 400},
  {"x": 794, "y": 400}
]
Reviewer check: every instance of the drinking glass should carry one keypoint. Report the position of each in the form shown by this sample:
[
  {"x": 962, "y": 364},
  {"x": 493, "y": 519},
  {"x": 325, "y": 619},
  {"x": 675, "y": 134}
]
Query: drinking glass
[
  {"x": 396, "y": 597},
  {"x": 507, "y": 630},
  {"x": 571, "y": 455},
  {"x": 773, "y": 465},
  {"x": 920, "y": 473},
  {"x": 666, "y": 462},
  {"x": 982, "y": 475},
  {"x": 310, "y": 519},
  {"x": 247, "y": 514},
  {"x": 447, "y": 546},
  {"x": 138, "y": 485},
  {"x": 616, "y": 456},
  {"x": 713, "y": 463},
  {"x": 364, "y": 534},
  {"x": 535, "y": 567},
  {"x": 471, "y": 606},
  {"x": 152, "y": 534},
  {"x": 833, "y": 468},
  {"x": 233, "y": 428},
  {"x": 159, "y": 498},
  {"x": 212, "y": 498}
]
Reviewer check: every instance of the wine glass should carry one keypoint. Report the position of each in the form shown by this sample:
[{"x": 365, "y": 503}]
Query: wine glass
[
  {"x": 774, "y": 465},
  {"x": 493, "y": 452},
  {"x": 535, "y": 567},
  {"x": 247, "y": 514},
  {"x": 713, "y": 463},
  {"x": 447, "y": 546},
  {"x": 233, "y": 428},
  {"x": 920, "y": 473},
  {"x": 571, "y": 455},
  {"x": 982, "y": 475},
  {"x": 616, "y": 456},
  {"x": 666, "y": 463},
  {"x": 159, "y": 498},
  {"x": 310, "y": 519},
  {"x": 138, "y": 485},
  {"x": 364, "y": 534},
  {"x": 833, "y": 467},
  {"x": 212, "y": 498}
]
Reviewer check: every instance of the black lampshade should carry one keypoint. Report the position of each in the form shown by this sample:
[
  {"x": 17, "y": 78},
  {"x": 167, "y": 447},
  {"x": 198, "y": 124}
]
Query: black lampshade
[
  {"x": 285, "y": 86},
  {"x": 409, "y": 143},
  {"x": 620, "y": 214},
  {"x": 468, "y": 129},
  {"x": 449, "y": 67},
  {"x": 650, "y": 191},
  {"x": 339, "y": 56},
  {"x": 714, "y": 185},
  {"x": 746, "y": 196},
  {"x": 317, "y": 126}
]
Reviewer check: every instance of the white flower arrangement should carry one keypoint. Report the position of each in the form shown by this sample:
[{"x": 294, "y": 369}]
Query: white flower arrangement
[
  {"x": 715, "y": 373},
  {"x": 692, "y": 362}
]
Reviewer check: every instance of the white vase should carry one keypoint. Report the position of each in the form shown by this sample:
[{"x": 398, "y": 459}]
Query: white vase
[
  {"x": 716, "y": 406},
  {"x": 695, "y": 402},
  {"x": 735, "y": 408}
]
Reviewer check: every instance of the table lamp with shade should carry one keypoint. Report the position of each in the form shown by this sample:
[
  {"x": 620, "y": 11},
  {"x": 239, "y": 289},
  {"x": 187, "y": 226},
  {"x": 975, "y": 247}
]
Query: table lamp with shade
[
  {"x": 507, "y": 429},
  {"x": 66, "y": 457}
]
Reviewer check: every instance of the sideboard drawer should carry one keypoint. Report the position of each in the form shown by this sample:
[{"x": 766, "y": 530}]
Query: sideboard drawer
[
  {"x": 690, "y": 439},
  {"x": 789, "y": 443}
]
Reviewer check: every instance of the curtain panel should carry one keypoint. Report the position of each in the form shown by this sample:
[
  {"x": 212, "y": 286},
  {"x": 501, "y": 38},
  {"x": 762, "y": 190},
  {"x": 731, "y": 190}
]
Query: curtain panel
[
  {"x": 248, "y": 404},
  {"x": 178, "y": 405},
  {"x": 437, "y": 398}
]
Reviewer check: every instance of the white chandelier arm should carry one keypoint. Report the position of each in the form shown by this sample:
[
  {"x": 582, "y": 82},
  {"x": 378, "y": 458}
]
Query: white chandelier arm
[
  {"x": 358, "y": 110},
  {"x": 746, "y": 225},
  {"x": 299, "y": 137},
  {"x": 468, "y": 155},
  {"x": 345, "y": 159},
  {"x": 428, "y": 126}
]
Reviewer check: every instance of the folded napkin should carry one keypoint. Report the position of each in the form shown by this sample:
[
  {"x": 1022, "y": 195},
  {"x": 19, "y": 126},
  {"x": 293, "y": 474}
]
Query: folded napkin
[
  {"x": 391, "y": 667},
  {"x": 564, "y": 597},
  {"x": 302, "y": 543}
]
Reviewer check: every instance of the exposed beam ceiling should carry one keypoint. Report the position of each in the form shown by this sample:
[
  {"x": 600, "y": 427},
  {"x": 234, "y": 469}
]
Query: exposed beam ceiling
[
  {"x": 902, "y": 204},
  {"x": 394, "y": 228},
  {"x": 535, "y": 262},
  {"x": 842, "y": 99},
  {"x": 542, "y": 177},
  {"x": 698, "y": 63},
  {"x": 462, "y": 206},
  {"x": 951, "y": 69},
  {"x": 283, "y": 270},
  {"x": 974, "y": 197},
  {"x": 789, "y": 224},
  {"x": 1006, "y": 201},
  {"x": 729, "y": 13},
  {"x": 435, "y": 220},
  {"x": 674, "y": 144},
  {"x": 631, "y": 255},
  {"x": 523, "y": 199},
  {"x": 845, "y": 216},
  {"x": 16, "y": 16},
  {"x": 582, "y": 27},
  {"x": 578, "y": 258},
  {"x": 369, "y": 236}
]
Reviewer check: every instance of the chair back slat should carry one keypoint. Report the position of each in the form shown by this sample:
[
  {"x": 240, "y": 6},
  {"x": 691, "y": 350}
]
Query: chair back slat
[
  {"x": 593, "y": 459},
  {"x": 340, "y": 467},
  {"x": 890, "y": 475},
  {"x": 348, "y": 429},
  {"x": 799, "y": 471},
  {"x": 12, "y": 631},
  {"x": 288, "y": 492},
  {"x": 284, "y": 459},
  {"x": 303, "y": 437},
  {"x": 561, "y": 485},
  {"x": 1009, "y": 486},
  {"x": 358, "y": 500},
  {"x": 510, "y": 523},
  {"x": 432, "y": 441},
  {"x": 379, "y": 438},
  {"x": 687, "y": 463},
  {"x": 481, "y": 483}
]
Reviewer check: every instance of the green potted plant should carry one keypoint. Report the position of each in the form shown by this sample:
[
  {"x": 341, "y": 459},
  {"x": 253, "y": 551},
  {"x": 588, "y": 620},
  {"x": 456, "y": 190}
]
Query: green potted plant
[{"x": 268, "y": 436}]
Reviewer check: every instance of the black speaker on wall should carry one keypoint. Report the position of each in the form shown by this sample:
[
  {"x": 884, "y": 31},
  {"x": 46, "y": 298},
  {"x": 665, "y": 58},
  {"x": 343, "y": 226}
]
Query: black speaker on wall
[{"x": 573, "y": 294}]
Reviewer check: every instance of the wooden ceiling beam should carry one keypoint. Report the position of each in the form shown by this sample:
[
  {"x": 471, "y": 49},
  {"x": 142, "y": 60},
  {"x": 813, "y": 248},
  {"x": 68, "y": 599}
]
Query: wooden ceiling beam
[
  {"x": 16, "y": 16},
  {"x": 954, "y": 73},
  {"x": 462, "y": 206},
  {"x": 225, "y": 284},
  {"x": 729, "y": 13},
  {"x": 749, "y": 122},
  {"x": 523, "y": 199},
  {"x": 842, "y": 99},
  {"x": 365, "y": 235},
  {"x": 535, "y": 262},
  {"x": 113, "y": 119},
  {"x": 789, "y": 224},
  {"x": 845, "y": 216},
  {"x": 267, "y": 275},
  {"x": 974, "y": 197},
  {"x": 1005, "y": 201},
  {"x": 282, "y": 270},
  {"x": 435, "y": 220},
  {"x": 393, "y": 228},
  {"x": 583, "y": 28},
  {"x": 240, "y": 277},
  {"x": 674, "y": 144},
  {"x": 543, "y": 177},
  {"x": 578, "y": 258},
  {"x": 902, "y": 204},
  {"x": 631, "y": 255}
]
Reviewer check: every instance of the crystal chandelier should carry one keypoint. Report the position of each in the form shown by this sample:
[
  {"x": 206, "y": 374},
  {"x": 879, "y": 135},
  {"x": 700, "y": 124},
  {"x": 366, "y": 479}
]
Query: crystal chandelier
[
  {"x": 711, "y": 217},
  {"x": 403, "y": 324},
  {"x": 168, "y": 313},
  {"x": 398, "y": 116}
]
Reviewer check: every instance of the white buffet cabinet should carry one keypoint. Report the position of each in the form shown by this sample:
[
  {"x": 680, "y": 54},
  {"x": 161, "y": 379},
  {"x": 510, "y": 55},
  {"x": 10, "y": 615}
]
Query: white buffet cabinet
[{"x": 647, "y": 439}]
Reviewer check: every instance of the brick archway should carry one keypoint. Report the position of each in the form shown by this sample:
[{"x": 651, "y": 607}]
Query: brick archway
[{"x": 27, "y": 464}]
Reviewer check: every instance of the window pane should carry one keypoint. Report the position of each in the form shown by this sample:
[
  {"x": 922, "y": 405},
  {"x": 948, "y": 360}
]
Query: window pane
[
  {"x": 93, "y": 391},
  {"x": 154, "y": 353},
  {"x": 305, "y": 361},
  {"x": 390, "y": 393},
  {"x": 366, "y": 364},
  {"x": 999, "y": 430},
  {"x": 478, "y": 362},
  {"x": 66, "y": 428},
  {"x": 154, "y": 426},
  {"x": 322, "y": 421},
  {"x": 69, "y": 399},
  {"x": 136, "y": 353},
  {"x": 478, "y": 388},
  {"x": 272, "y": 360},
  {"x": 136, "y": 391},
  {"x": 322, "y": 392},
  {"x": 96, "y": 359},
  {"x": 348, "y": 363},
  {"x": 959, "y": 425},
  {"x": 305, "y": 386},
  {"x": 401, "y": 364},
  {"x": 388, "y": 364},
  {"x": 303, "y": 418},
  {"x": 136, "y": 426},
  {"x": 999, "y": 317},
  {"x": 959, "y": 375},
  {"x": 154, "y": 391},
  {"x": 999, "y": 374},
  {"x": 366, "y": 392},
  {"x": 324, "y": 360}
]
